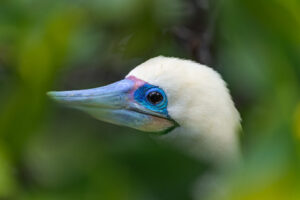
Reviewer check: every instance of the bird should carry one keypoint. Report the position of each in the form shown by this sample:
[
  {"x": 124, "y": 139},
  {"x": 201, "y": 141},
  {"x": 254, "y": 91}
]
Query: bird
[{"x": 178, "y": 101}]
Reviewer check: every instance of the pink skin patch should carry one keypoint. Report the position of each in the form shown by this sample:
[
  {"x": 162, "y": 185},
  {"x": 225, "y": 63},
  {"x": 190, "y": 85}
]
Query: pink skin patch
[{"x": 137, "y": 83}]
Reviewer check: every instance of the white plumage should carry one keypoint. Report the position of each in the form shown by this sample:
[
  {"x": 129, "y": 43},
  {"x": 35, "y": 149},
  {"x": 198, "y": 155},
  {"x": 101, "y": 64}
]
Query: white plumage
[{"x": 200, "y": 102}]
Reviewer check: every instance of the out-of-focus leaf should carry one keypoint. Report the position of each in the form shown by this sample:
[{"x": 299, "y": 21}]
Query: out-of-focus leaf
[{"x": 296, "y": 123}]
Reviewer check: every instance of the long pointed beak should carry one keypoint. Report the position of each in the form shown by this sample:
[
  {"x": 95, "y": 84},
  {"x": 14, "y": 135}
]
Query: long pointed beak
[
  {"x": 115, "y": 104},
  {"x": 113, "y": 96}
]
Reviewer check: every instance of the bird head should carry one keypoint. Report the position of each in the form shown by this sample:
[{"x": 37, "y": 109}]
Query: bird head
[{"x": 182, "y": 101}]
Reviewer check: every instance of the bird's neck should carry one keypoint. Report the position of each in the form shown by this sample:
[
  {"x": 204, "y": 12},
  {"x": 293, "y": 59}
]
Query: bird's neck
[{"x": 219, "y": 147}]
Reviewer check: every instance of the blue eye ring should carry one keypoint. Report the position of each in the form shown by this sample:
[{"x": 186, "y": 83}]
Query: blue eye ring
[
  {"x": 155, "y": 96},
  {"x": 140, "y": 96}
]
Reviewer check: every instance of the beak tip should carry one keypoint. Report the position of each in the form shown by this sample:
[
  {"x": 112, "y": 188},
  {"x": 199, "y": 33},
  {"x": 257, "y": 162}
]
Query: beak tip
[
  {"x": 59, "y": 97},
  {"x": 53, "y": 95},
  {"x": 50, "y": 94}
]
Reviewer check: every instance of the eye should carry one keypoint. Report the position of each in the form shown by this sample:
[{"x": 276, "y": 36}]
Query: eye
[
  {"x": 155, "y": 97},
  {"x": 152, "y": 98}
]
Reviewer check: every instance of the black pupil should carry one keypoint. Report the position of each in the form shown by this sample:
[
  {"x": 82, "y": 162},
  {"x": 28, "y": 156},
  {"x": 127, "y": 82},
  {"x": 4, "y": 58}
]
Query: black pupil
[{"x": 155, "y": 97}]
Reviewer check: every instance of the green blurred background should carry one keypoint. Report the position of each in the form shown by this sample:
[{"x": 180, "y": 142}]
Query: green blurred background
[{"x": 50, "y": 152}]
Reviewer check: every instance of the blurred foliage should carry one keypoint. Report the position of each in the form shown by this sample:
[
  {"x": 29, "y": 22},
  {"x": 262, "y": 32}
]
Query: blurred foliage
[{"x": 48, "y": 152}]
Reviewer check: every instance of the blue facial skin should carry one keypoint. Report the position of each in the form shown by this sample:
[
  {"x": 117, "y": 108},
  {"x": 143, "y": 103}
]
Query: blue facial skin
[{"x": 141, "y": 94}]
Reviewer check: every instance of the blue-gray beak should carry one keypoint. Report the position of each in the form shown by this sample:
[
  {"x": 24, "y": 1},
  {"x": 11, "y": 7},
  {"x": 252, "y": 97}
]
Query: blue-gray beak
[{"x": 115, "y": 104}]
